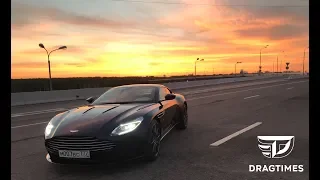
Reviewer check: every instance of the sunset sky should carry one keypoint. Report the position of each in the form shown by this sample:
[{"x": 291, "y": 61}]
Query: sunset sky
[{"x": 139, "y": 38}]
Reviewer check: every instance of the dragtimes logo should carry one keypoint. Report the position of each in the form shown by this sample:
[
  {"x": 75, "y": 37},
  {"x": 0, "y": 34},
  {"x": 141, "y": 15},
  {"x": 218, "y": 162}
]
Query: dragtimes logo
[{"x": 276, "y": 147}]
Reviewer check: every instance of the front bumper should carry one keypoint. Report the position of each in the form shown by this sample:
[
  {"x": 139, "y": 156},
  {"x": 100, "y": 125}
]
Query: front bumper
[
  {"x": 122, "y": 150},
  {"x": 96, "y": 158}
]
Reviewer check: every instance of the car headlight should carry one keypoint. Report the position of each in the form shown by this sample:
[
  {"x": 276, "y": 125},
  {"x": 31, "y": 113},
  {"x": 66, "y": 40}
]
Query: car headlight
[
  {"x": 127, "y": 127},
  {"x": 48, "y": 130}
]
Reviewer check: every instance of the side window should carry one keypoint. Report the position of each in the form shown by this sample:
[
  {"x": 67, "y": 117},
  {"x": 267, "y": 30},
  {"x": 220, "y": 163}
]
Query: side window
[{"x": 162, "y": 94}]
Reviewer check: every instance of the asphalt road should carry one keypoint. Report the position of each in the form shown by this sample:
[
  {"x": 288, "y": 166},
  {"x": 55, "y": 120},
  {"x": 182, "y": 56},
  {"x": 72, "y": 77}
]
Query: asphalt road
[{"x": 275, "y": 108}]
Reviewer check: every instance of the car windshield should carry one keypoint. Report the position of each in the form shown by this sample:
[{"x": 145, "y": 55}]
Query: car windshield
[{"x": 127, "y": 94}]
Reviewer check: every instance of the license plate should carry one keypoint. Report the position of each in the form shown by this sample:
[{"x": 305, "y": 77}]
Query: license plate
[{"x": 74, "y": 154}]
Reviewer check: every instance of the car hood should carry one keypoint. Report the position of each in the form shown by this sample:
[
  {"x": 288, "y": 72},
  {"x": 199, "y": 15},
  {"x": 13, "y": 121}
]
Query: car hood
[{"x": 88, "y": 120}]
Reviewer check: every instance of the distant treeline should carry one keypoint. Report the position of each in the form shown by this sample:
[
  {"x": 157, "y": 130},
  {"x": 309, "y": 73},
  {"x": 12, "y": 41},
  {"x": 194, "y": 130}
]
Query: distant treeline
[{"x": 30, "y": 85}]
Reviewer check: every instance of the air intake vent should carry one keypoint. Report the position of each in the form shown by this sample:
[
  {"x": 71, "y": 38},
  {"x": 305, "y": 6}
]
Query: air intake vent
[{"x": 78, "y": 143}]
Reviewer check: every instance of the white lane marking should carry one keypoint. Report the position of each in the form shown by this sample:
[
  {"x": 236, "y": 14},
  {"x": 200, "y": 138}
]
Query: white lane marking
[
  {"x": 37, "y": 112},
  {"x": 223, "y": 140},
  {"x": 289, "y": 88},
  {"x": 244, "y": 90},
  {"x": 251, "y": 97},
  {"x": 29, "y": 125}
]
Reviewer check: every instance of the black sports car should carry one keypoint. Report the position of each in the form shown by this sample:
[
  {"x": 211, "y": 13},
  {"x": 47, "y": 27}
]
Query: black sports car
[{"x": 123, "y": 123}]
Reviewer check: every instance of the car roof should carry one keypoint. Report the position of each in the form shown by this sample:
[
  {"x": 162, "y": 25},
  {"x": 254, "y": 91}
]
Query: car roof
[{"x": 143, "y": 85}]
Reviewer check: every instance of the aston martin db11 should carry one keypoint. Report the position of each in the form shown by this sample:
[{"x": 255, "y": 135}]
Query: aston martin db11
[{"x": 123, "y": 123}]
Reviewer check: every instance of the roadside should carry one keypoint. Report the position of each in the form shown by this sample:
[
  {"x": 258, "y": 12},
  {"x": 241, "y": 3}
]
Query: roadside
[
  {"x": 39, "y": 97},
  {"x": 57, "y": 106},
  {"x": 80, "y": 101}
]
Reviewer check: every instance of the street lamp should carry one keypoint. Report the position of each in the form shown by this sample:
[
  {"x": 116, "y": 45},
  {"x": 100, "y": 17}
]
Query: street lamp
[
  {"x": 235, "y": 68},
  {"x": 277, "y": 61},
  {"x": 304, "y": 56},
  {"x": 260, "y": 58},
  {"x": 195, "y": 65},
  {"x": 273, "y": 67},
  {"x": 48, "y": 54}
]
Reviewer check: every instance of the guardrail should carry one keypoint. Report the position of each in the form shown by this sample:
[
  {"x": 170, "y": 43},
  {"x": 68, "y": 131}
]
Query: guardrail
[
  {"x": 76, "y": 94},
  {"x": 193, "y": 78}
]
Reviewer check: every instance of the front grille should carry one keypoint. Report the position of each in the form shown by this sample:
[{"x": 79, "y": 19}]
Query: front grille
[{"x": 78, "y": 143}]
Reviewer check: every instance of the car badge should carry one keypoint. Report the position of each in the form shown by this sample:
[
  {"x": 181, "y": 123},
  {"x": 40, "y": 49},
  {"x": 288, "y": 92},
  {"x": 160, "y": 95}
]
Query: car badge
[{"x": 74, "y": 131}]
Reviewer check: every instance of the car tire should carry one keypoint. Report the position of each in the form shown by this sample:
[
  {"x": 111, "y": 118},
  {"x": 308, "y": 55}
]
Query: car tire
[
  {"x": 183, "y": 118},
  {"x": 153, "y": 145}
]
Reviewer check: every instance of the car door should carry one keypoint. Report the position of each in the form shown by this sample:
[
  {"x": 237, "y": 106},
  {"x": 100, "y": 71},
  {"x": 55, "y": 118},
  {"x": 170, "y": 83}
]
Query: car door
[
  {"x": 169, "y": 106},
  {"x": 165, "y": 110},
  {"x": 172, "y": 104}
]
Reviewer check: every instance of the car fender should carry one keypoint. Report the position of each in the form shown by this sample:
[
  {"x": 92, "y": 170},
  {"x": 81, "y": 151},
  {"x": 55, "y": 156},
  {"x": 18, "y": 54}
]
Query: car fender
[{"x": 181, "y": 101}]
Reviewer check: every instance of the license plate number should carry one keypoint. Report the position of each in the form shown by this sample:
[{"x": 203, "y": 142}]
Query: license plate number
[{"x": 74, "y": 154}]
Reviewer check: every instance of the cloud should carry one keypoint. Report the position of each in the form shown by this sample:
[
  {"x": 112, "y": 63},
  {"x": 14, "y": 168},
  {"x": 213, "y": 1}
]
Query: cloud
[
  {"x": 40, "y": 65},
  {"x": 24, "y": 14},
  {"x": 75, "y": 64},
  {"x": 256, "y": 14},
  {"x": 58, "y": 23},
  {"x": 295, "y": 11},
  {"x": 277, "y": 32},
  {"x": 293, "y": 14},
  {"x": 177, "y": 52},
  {"x": 29, "y": 65},
  {"x": 87, "y": 62},
  {"x": 155, "y": 64},
  {"x": 39, "y": 51}
]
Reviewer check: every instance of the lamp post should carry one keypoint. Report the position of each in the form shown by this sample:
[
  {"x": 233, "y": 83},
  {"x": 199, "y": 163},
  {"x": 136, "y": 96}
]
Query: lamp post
[
  {"x": 48, "y": 54},
  {"x": 195, "y": 65},
  {"x": 235, "y": 68},
  {"x": 281, "y": 64},
  {"x": 277, "y": 60},
  {"x": 277, "y": 63},
  {"x": 304, "y": 56},
  {"x": 273, "y": 67},
  {"x": 260, "y": 58}
]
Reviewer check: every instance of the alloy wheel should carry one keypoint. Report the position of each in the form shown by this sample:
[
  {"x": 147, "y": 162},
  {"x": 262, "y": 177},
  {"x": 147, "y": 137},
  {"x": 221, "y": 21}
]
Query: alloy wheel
[{"x": 156, "y": 137}]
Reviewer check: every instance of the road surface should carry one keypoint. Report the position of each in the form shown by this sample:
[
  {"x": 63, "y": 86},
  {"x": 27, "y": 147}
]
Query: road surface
[{"x": 210, "y": 148}]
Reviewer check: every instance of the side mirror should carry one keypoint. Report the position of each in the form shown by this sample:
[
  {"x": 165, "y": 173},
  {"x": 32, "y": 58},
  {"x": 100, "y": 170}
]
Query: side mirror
[
  {"x": 90, "y": 100},
  {"x": 170, "y": 96}
]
